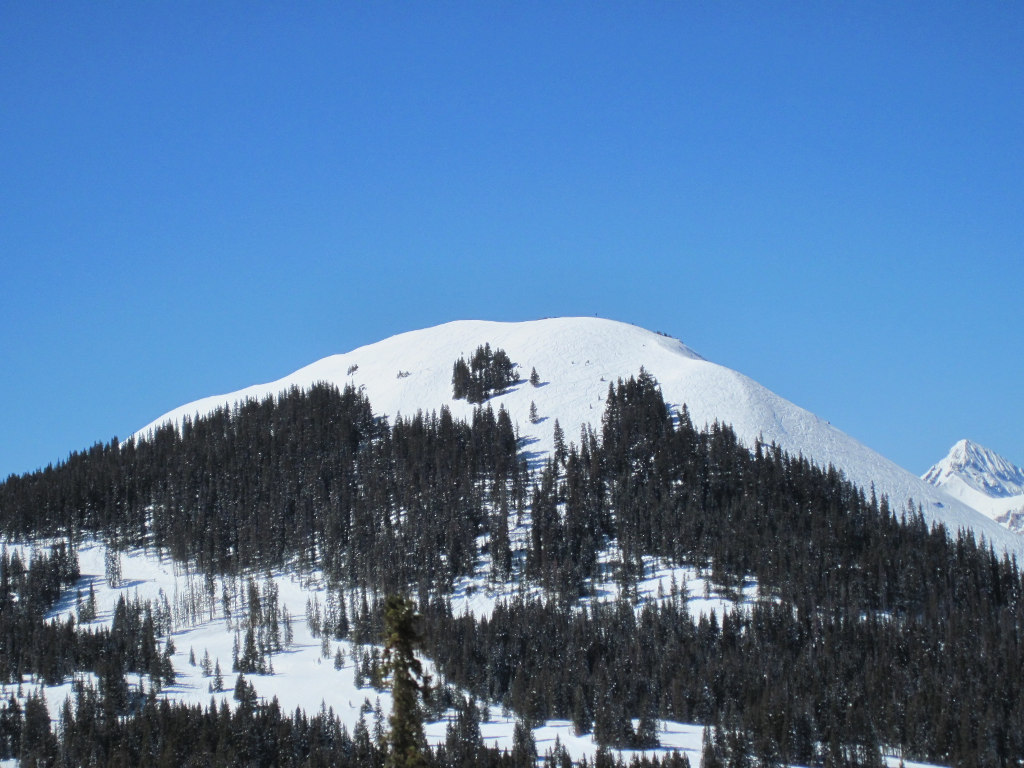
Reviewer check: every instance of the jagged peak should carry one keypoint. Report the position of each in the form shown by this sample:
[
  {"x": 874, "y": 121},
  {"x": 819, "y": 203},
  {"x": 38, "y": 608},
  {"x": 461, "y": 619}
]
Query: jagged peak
[{"x": 980, "y": 468}]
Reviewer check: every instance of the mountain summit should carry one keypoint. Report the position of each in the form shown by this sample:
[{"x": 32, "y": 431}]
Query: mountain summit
[
  {"x": 984, "y": 480},
  {"x": 576, "y": 360}
]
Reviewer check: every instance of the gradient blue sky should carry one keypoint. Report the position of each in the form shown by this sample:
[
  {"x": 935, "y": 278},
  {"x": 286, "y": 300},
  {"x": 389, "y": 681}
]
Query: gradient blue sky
[{"x": 199, "y": 196}]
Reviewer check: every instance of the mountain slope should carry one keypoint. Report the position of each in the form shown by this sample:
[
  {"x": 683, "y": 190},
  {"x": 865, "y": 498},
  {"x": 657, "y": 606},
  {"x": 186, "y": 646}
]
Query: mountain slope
[
  {"x": 576, "y": 359},
  {"x": 983, "y": 480}
]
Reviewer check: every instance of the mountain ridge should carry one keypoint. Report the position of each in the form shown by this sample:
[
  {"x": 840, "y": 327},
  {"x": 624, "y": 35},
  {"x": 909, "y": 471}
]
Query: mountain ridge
[
  {"x": 982, "y": 479},
  {"x": 650, "y": 526},
  {"x": 576, "y": 360}
]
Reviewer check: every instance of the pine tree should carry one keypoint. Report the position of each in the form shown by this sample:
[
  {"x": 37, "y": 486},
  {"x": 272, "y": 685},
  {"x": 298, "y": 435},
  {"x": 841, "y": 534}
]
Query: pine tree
[
  {"x": 711, "y": 755},
  {"x": 646, "y": 732},
  {"x": 408, "y": 682},
  {"x": 289, "y": 633},
  {"x": 524, "y": 746},
  {"x": 463, "y": 739},
  {"x": 460, "y": 379},
  {"x": 218, "y": 679},
  {"x": 112, "y": 567},
  {"x": 244, "y": 692},
  {"x": 37, "y": 740},
  {"x": 559, "y": 439},
  {"x": 87, "y": 608},
  {"x": 534, "y": 378}
]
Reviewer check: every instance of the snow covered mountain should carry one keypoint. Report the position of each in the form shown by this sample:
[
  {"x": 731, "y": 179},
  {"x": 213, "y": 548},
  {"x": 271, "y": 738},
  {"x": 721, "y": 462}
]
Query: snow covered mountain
[
  {"x": 576, "y": 359},
  {"x": 984, "y": 480}
]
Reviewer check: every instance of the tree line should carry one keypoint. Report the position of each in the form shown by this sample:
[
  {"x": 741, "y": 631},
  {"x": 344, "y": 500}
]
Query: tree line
[
  {"x": 307, "y": 479},
  {"x": 870, "y": 629}
]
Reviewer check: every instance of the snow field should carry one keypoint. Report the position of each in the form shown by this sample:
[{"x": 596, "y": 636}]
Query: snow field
[
  {"x": 304, "y": 678},
  {"x": 576, "y": 359},
  {"x": 983, "y": 480}
]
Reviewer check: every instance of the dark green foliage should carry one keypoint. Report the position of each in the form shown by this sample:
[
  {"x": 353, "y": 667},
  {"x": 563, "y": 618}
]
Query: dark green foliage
[
  {"x": 244, "y": 692},
  {"x": 808, "y": 673},
  {"x": 711, "y": 752},
  {"x": 307, "y": 478},
  {"x": 11, "y": 723},
  {"x": 524, "y": 746},
  {"x": 463, "y": 741},
  {"x": 38, "y": 743},
  {"x": 487, "y": 372},
  {"x": 408, "y": 683},
  {"x": 165, "y": 733},
  {"x": 52, "y": 649},
  {"x": 870, "y": 629}
]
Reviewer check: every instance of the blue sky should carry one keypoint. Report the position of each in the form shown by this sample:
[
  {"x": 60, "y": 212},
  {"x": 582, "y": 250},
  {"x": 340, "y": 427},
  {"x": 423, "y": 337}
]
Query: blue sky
[{"x": 195, "y": 197}]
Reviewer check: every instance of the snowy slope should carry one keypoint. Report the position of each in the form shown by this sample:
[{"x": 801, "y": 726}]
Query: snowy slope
[
  {"x": 984, "y": 480},
  {"x": 304, "y": 676},
  {"x": 576, "y": 359}
]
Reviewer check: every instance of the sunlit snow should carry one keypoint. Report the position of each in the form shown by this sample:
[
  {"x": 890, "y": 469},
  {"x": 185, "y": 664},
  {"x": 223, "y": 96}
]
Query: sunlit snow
[
  {"x": 304, "y": 678},
  {"x": 577, "y": 359}
]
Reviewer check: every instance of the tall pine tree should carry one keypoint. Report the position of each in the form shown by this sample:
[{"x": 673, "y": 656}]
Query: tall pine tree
[{"x": 408, "y": 682}]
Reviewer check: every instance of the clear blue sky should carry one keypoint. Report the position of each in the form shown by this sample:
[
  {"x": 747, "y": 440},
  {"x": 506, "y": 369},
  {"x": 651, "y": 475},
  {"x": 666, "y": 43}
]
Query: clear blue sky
[{"x": 199, "y": 196}]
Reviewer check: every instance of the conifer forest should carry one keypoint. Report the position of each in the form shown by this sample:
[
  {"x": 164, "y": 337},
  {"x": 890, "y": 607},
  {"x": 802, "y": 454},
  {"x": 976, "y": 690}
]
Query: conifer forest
[{"x": 869, "y": 630}]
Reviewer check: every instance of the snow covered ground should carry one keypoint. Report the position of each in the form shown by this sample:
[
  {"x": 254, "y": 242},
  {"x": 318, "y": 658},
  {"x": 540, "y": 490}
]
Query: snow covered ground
[
  {"x": 576, "y": 359},
  {"x": 305, "y": 677},
  {"x": 983, "y": 480}
]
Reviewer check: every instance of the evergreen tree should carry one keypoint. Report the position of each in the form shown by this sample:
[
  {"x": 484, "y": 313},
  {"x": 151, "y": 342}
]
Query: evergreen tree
[
  {"x": 218, "y": 679},
  {"x": 488, "y": 371},
  {"x": 87, "y": 609},
  {"x": 711, "y": 753},
  {"x": 561, "y": 451},
  {"x": 244, "y": 692},
  {"x": 408, "y": 683},
  {"x": 112, "y": 567},
  {"x": 460, "y": 379},
  {"x": 524, "y": 746},
  {"x": 38, "y": 744},
  {"x": 463, "y": 739}
]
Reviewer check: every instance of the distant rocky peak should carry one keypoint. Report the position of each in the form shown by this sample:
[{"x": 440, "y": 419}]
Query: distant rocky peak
[{"x": 980, "y": 468}]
